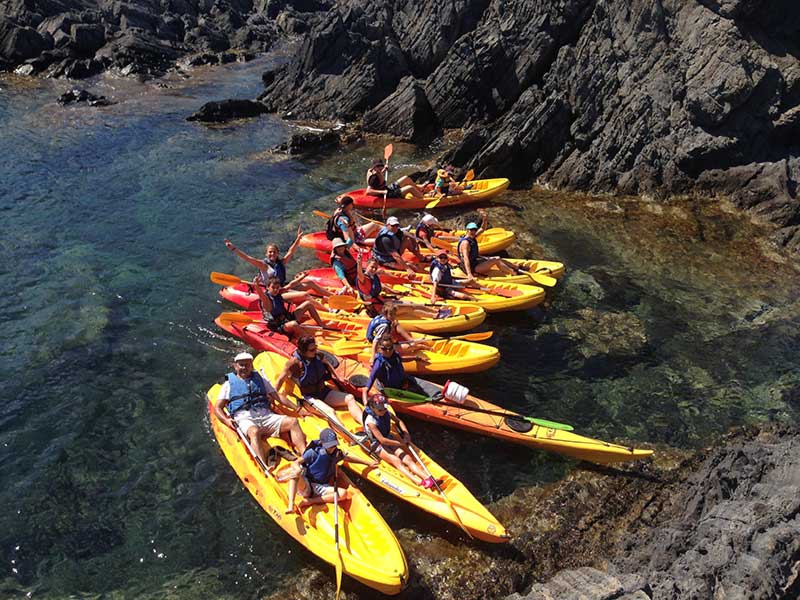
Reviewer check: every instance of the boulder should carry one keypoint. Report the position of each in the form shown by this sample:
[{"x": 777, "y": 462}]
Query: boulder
[
  {"x": 80, "y": 95},
  {"x": 406, "y": 114},
  {"x": 87, "y": 39},
  {"x": 309, "y": 142},
  {"x": 227, "y": 110},
  {"x": 18, "y": 44}
]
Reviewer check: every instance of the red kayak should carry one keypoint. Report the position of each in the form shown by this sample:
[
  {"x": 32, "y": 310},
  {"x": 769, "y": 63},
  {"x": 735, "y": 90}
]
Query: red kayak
[{"x": 480, "y": 189}]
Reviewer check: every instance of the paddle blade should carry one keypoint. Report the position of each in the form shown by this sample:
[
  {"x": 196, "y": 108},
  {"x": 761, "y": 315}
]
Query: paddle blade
[
  {"x": 543, "y": 279},
  {"x": 387, "y": 151},
  {"x": 405, "y": 396},
  {"x": 321, "y": 214},
  {"x": 347, "y": 303},
  {"x": 549, "y": 424},
  {"x": 225, "y": 279},
  {"x": 474, "y": 337},
  {"x": 469, "y": 176},
  {"x": 433, "y": 203},
  {"x": 236, "y": 317}
]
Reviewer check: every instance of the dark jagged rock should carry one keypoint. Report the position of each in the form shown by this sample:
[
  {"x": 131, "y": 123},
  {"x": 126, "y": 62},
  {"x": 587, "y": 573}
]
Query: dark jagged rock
[
  {"x": 406, "y": 114},
  {"x": 78, "y": 95},
  {"x": 310, "y": 142},
  {"x": 227, "y": 110},
  {"x": 631, "y": 96}
]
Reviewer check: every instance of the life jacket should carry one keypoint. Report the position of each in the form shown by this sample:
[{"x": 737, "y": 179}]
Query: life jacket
[
  {"x": 373, "y": 325},
  {"x": 375, "y": 288},
  {"x": 443, "y": 185},
  {"x": 375, "y": 180},
  {"x": 247, "y": 393},
  {"x": 319, "y": 463},
  {"x": 332, "y": 229},
  {"x": 391, "y": 372},
  {"x": 350, "y": 266},
  {"x": 278, "y": 314},
  {"x": 386, "y": 242},
  {"x": 472, "y": 252},
  {"x": 315, "y": 373},
  {"x": 427, "y": 230},
  {"x": 278, "y": 269},
  {"x": 384, "y": 422},
  {"x": 444, "y": 269}
]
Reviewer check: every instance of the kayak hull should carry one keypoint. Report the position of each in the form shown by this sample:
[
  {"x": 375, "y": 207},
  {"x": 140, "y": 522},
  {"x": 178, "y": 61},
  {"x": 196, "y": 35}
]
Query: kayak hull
[
  {"x": 482, "y": 189},
  {"x": 368, "y": 548}
]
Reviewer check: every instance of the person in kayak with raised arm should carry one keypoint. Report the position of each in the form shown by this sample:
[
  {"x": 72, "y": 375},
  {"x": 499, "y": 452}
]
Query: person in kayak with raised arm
[
  {"x": 319, "y": 461},
  {"x": 445, "y": 185},
  {"x": 342, "y": 224},
  {"x": 442, "y": 277},
  {"x": 344, "y": 265},
  {"x": 369, "y": 287},
  {"x": 389, "y": 246},
  {"x": 247, "y": 396},
  {"x": 311, "y": 370},
  {"x": 378, "y": 427},
  {"x": 273, "y": 265},
  {"x": 376, "y": 183},
  {"x": 387, "y": 324},
  {"x": 277, "y": 314},
  {"x": 469, "y": 257}
]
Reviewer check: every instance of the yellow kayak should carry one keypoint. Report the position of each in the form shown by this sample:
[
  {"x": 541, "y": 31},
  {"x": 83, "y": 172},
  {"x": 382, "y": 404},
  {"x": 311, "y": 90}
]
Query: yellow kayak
[
  {"x": 368, "y": 548},
  {"x": 444, "y": 356},
  {"x": 415, "y": 318},
  {"x": 456, "y": 505},
  {"x": 491, "y": 241},
  {"x": 498, "y": 297}
]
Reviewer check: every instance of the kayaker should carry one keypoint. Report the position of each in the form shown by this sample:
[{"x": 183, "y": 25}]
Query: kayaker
[
  {"x": 378, "y": 427},
  {"x": 247, "y": 396},
  {"x": 387, "y": 324},
  {"x": 389, "y": 246},
  {"x": 470, "y": 259},
  {"x": 311, "y": 370},
  {"x": 342, "y": 224},
  {"x": 445, "y": 184},
  {"x": 369, "y": 286},
  {"x": 376, "y": 183},
  {"x": 427, "y": 229},
  {"x": 344, "y": 265},
  {"x": 316, "y": 484},
  {"x": 273, "y": 265},
  {"x": 388, "y": 370},
  {"x": 278, "y": 316},
  {"x": 441, "y": 276}
]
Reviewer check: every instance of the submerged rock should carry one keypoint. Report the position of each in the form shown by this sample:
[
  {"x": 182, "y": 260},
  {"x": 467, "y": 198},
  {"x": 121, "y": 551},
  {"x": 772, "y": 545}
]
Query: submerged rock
[{"x": 80, "y": 95}]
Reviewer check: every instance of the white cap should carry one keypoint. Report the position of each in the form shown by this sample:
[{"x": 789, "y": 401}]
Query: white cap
[
  {"x": 430, "y": 220},
  {"x": 243, "y": 356},
  {"x": 393, "y": 221}
]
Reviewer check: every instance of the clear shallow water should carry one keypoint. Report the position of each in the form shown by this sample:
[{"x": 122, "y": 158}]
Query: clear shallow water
[{"x": 671, "y": 327}]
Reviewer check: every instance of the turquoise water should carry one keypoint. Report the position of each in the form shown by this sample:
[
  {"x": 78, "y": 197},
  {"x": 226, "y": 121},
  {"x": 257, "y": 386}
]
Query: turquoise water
[{"x": 112, "y": 219}]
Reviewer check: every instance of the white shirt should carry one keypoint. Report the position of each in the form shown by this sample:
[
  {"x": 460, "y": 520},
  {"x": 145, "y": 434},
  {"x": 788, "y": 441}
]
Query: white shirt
[{"x": 436, "y": 275}]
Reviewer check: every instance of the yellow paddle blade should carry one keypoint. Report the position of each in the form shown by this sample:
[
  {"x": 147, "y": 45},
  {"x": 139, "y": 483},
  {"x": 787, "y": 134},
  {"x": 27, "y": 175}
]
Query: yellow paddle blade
[
  {"x": 236, "y": 317},
  {"x": 344, "y": 302},
  {"x": 225, "y": 279},
  {"x": 434, "y": 203},
  {"x": 542, "y": 279}
]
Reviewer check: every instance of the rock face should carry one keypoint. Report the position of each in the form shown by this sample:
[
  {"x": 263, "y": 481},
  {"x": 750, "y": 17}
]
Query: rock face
[
  {"x": 142, "y": 37},
  {"x": 636, "y": 96},
  {"x": 731, "y": 529},
  {"x": 227, "y": 110}
]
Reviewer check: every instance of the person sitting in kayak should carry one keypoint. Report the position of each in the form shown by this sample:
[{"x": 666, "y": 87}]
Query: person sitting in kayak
[
  {"x": 376, "y": 183},
  {"x": 469, "y": 257},
  {"x": 369, "y": 286},
  {"x": 388, "y": 370},
  {"x": 273, "y": 265},
  {"x": 445, "y": 184},
  {"x": 310, "y": 370},
  {"x": 342, "y": 224},
  {"x": 277, "y": 315},
  {"x": 386, "y": 324},
  {"x": 378, "y": 427},
  {"x": 429, "y": 228},
  {"x": 319, "y": 461},
  {"x": 442, "y": 279},
  {"x": 389, "y": 246},
  {"x": 344, "y": 265},
  {"x": 247, "y": 396}
]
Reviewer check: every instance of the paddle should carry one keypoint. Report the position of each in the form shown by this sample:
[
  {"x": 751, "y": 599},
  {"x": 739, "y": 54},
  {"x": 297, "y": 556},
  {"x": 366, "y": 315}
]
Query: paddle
[
  {"x": 387, "y": 153},
  {"x": 238, "y": 317},
  {"x": 468, "y": 177},
  {"x": 339, "y": 565},
  {"x": 494, "y": 291},
  {"x": 438, "y": 487},
  {"x": 330, "y": 415},
  {"x": 226, "y": 280},
  {"x": 414, "y": 398},
  {"x": 325, "y": 215},
  {"x": 540, "y": 278}
]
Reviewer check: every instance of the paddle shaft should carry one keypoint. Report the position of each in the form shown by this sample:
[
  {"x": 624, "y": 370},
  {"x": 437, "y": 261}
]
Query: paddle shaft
[
  {"x": 339, "y": 565},
  {"x": 339, "y": 426}
]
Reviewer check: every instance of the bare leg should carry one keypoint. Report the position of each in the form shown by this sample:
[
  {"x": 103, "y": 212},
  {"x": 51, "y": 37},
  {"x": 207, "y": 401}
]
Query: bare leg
[
  {"x": 339, "y": 399},
  {"x": 290, "y": 425},
  {"x": 398, "y": 464},
  {"x": 292, "y": 493},
  {"x": 412, "y": 464},
  {"x": 312, "y": 286},
  {"x": 307, "y": 307},
  {"x": 484, "y": 267},
  {"x": 254, "y": 435}
]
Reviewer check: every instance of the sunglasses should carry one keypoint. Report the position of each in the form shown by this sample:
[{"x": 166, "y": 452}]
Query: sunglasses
[{"x": 387, "y": 348}]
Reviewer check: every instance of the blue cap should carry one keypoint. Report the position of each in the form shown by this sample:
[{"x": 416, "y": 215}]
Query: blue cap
[
  {"x": 328, "y": 438},
  {"x": 472, "y": 226}
]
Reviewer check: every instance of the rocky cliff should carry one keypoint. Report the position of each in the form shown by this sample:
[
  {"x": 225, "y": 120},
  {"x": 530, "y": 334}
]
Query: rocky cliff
[
  {"x": 656, "y": 97},
  {"x": 80, "y": 38}
]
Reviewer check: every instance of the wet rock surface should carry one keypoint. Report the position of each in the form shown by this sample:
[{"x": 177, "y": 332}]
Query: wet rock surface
[
  {"x": 80, "y": 95},
  {"x": 636, "y": 97},
  {"x": 227, "y": 110},
  {"x": 142, "y": 37}
]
